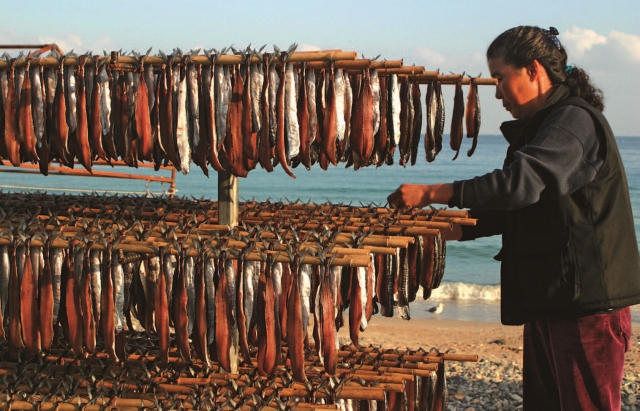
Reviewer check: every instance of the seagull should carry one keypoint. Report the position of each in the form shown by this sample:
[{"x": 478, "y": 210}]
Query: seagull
[{"x": 436, "y": 309}]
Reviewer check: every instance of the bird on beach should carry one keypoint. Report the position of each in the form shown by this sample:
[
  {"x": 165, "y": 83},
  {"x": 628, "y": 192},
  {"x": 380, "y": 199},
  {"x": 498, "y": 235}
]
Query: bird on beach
[{"x": 436, "y": 309}]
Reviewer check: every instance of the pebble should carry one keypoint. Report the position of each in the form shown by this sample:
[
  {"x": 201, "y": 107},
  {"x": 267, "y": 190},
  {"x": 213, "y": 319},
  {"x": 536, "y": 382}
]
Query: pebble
[{"x": 489, "y": 385}]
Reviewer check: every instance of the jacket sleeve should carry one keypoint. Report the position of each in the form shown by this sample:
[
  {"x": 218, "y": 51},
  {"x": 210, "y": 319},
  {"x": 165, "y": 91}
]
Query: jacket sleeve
[
  {"x": 490, "y": 222},
  {"x": 562, "y": 157}
]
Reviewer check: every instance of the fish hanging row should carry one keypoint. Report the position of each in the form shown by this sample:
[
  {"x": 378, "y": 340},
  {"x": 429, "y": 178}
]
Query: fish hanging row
[
  {"x": 232, "y": 118},
  {"x": 206, "y": 287}
]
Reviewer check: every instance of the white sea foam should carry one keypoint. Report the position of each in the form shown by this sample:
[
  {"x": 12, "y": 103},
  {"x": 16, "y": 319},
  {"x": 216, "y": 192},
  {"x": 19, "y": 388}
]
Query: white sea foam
[{"x": 465, "y": 291}]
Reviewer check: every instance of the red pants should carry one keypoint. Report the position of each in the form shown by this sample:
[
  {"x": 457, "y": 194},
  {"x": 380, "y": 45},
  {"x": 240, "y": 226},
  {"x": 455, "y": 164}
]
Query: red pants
[{"x": 575, "y": 364}]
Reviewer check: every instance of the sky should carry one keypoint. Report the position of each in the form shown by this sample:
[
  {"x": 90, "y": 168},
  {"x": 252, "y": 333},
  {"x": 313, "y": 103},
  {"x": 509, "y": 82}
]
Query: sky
[{"x": 449, "y": 36}]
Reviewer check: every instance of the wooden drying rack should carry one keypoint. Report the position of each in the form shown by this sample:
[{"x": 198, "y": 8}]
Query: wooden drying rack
[{"x": 228, "y": 190}]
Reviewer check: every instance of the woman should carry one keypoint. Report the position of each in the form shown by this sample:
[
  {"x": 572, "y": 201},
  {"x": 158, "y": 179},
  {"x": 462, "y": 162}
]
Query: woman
[{"x": 569, "y": 261}]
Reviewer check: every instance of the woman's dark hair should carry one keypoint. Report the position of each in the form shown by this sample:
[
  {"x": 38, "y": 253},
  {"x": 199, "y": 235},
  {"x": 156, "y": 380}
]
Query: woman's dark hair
[{"x": 522, "y": 45}]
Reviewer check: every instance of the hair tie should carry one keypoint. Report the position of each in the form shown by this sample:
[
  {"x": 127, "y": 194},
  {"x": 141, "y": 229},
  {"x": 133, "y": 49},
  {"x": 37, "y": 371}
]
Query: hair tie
[
  {"x": 568, "y": 70},
  {"x": 552, "y": 33}
]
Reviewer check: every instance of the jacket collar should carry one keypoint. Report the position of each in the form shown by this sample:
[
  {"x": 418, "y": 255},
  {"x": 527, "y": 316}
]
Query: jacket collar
[{"x": 513, "y": 129}]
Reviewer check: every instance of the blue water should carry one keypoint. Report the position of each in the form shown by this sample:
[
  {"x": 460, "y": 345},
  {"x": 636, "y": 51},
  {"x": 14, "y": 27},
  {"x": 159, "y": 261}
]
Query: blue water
[{"x": 470, "y": 289}]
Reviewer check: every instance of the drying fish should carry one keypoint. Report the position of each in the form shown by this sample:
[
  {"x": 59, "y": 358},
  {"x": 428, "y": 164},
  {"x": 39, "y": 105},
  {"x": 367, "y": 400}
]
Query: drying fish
[
  {"x": 180, "y": 316},
  {"x": 273, "y": 80},
  {"x": 417, "y": 121},
  {"x": 57, "y": 260},
  {"x": 143, "y": 117},
  {"x": 243, "y": 324},
  {"x": 328, "y": 325},
  {"x": 161, "y": 308},
  {"x": 281, "y": 109},
  {"x": 108, "y": 304},
  {"x": 209, "y": 127},
  {"x": 210, "y": 291},
  {"x": 404, "y": 140},
  {"x": 395, "y": 99},
  {"x": 362, "y": 125},
  {"x": 189, "y": 284},
  {"x": 223, "y": 93},
  {"x": 292, "y": 129},
  {"x": 456, "y": 119},
  {"x": 431, "y": 108},
  {"x": 303, "y": 121},
  {"x": 29, "y": 312},
  {"x": 86, "y": 303},
  {"x": 265, "y": 153},
  {"x": 82, "y": 127},
  {"x": 330, "y": 127},
  {"x": 233, "y": 142},
  {"x": 472, "y": 115},
  {"x": 339, "y": 89},
  {"x": 250, "y": 282},
  {"x": 37, "y": 102},
  {"x": 200, "y": 331},
  {"x": 193, "y": 104},
  {"x": 5, "y": 272},
  {"x": 249, "y": 135},
  {"x": 96, "y": 127},
  {"x": 11, "y": 118},
  {"x": 438, "y": 129},
  {"x": 167, "y": 114},
  {"x": 295, "y": 326},
  {"x": 182, "y": 120},
  {"x": 257, "y": 81},
  {"x": 382, "y": 142},
  {"x": 225, "y": 320},
  {"x": 72, "y": 309},
  {"x": 95, "y": 259}
]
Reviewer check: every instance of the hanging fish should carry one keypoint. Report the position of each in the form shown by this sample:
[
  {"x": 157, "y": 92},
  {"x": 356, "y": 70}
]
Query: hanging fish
[
  {"x": 249, "y": 136},
  {"x": 29, "y": 312},
  {"x": 182, "y": 123},
  {"x": 167, "y": 114},
  {"x": 281, "y": 108},
  {"x": 362, "y": 141},
  {"x": 303, "y": 120},
  {"x": 330, "y": 127},
  {"x": 86, "y": 303},
  {"x": 143, "y": 117},
  {"x": 405, "y": 133},
  {"x": 438, "y": 129},
  {"x": 292, "y": 128},
  {"x": 210, "y": 287},
  {"x": 193, "y": 104},
  {"x": 37, "y": 103},
  {"x": 200, "y": 331},
  {"x": 472, "y": 115},
  {"x": 234, "y": 137},
  {"x": 105, "y": 82},
  {"x": 11, "y": 126},
  {"x": 456, "y": 119},
  {"x": 295, "y": 325},
  {"x": 180, "y": 311},
  {"x": 82, "y": 126},
  {"x": 265, "y": 152},
  {"x": 431, "y": 105},
  {"x": 209, "y": 106},
  {"x": 161, "y": 308},
  {"x": 382, "y": 142},
  {"x": 96, "y": 127},
  {"x": 224, "y": 94},
  {"x": 417, "y": 121}
]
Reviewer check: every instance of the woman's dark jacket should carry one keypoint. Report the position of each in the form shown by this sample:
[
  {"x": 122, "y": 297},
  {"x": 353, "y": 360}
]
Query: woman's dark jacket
[{"x": 561, "y": 202}]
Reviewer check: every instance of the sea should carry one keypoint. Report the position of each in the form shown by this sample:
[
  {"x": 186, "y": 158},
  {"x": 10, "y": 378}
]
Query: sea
[{"x": 470, "y": 289}]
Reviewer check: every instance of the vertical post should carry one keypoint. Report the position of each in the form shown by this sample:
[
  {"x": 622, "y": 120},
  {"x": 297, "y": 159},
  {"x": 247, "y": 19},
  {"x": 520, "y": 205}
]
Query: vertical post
[{"x": 227, "y": 199}]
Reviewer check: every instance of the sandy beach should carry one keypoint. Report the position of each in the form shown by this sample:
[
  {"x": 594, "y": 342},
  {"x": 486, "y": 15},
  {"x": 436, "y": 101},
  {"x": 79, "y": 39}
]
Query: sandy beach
[{"x": 495, "y": 381}]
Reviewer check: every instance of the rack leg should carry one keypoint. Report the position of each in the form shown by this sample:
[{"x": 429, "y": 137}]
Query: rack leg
[{"x": 227, "y": 199}]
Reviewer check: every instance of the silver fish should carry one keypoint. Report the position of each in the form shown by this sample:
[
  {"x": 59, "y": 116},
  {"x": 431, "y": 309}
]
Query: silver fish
[
  {"x": 57, "y": 259},
  {"x": 70, "y": 93},
  {"x": 274, "y": 83},
  {"x": 304, "y": 284},
  {"x": 209, "y": 86},
  {"x": 276, "y": 279},
  {"x": 78, "y": 260},
  {"x": 89, "y": 76},
  {"x": 362, "y": 282},
  {"x": 118, "y": 291},
  {"x": 223, "y": 92},
  {"x": 310, "y": 77},
  {"x": 105, "y": 99},
  {"x": 395, "y": 108},
  {"x": 257, "y": 80},
  {"x": 5, "y": 268},
  {"x": 292, "y": 128},
  {"x": 251, "y": 276},
  {"x": 19, "y": 79},
  {"x": 339, "y": 89},
  {"x": 193, "y": 108},
  {"x": 335, "y": 278},
  {"x": 150, "y": 80},
  {"x": 182, "y": 133},
  {"x": 210, "y": 290},
  {"x": 37, "y": 262},
  {"x": 96, "y": 283},
  {"x": 4, "y": 86},
  {"x": 230, "y": 272},
  {"x": 169, "y": 271},
  {"x": 317, "y": 315},
  {"x": 37, "y": 102},
  {"x": 375, "y": 92},
  {"x": 190, "y": 285}
]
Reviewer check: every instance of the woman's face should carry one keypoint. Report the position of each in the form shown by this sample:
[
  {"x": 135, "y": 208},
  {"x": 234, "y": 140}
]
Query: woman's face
[{"x": 516, "y": 88}]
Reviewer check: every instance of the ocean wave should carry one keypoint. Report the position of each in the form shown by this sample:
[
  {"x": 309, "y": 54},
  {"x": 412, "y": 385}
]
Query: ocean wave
[{"x": 466, "y": 291}]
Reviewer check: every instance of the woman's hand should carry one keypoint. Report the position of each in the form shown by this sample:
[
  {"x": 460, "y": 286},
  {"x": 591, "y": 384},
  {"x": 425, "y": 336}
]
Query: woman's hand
[{"x": 420, "y": 195}]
